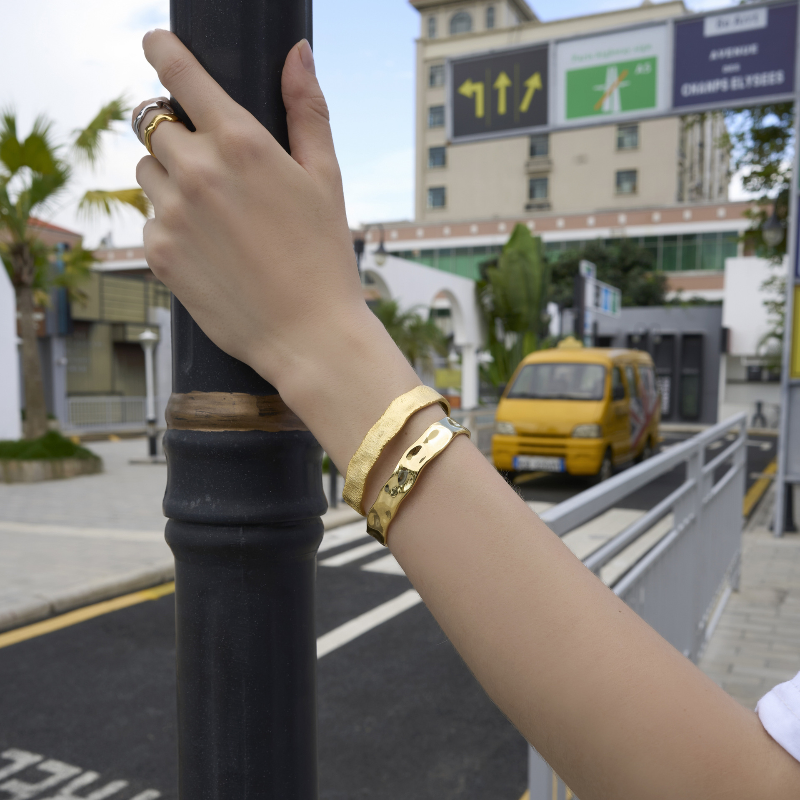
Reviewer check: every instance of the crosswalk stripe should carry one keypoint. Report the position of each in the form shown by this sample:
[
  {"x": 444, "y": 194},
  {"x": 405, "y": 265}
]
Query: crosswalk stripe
[
  {"x": 387, "y": 565},
  {"x": 334, "y": 639},
  {"x": 351, "y": 555},
  {"x": 343, "y": 535}
]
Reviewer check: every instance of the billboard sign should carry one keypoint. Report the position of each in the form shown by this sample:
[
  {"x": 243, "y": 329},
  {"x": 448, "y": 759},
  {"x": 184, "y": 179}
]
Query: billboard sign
[
  {"x": 498, "y": 94},
  {"x": 735, "y": 57},
  {"x": 612, "y": 77}
]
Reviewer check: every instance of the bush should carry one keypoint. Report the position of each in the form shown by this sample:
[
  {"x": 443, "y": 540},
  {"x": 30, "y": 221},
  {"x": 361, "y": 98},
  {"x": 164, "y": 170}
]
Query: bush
[{"x": 51, "y": 445}]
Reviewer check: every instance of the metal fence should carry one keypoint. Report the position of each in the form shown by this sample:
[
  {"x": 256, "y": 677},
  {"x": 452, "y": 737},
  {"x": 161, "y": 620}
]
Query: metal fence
[
  {"x": 112, "y": 413},
  {"x": 681, "y": 581}
]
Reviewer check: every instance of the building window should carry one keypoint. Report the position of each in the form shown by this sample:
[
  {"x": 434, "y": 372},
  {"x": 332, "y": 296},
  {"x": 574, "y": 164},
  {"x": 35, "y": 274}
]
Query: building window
[
  {"x": 436, "y": 76},
  {"x": 626, "y": 181},
  {"x": 436, "y": 196},
  {"x": 436, "y": 117},
  {"x": 460, "y": 23},
  {"x": 540, "y": 145},
  {"x": 437, "y": 157},
  {"x": 490, "y": 17},
  {"x": 627, "y": 137},
  {"x": 537, "y": 189},
  {"x": 431, "y": 27}
]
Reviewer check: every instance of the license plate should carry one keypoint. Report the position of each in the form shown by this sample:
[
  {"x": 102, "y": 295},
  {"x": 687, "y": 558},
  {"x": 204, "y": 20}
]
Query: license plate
[{"x": 538, "y": 463}]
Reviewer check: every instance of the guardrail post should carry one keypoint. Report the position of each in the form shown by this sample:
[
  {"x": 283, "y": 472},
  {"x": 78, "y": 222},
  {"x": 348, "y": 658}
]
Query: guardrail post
[{"x": 244, "y": 495}]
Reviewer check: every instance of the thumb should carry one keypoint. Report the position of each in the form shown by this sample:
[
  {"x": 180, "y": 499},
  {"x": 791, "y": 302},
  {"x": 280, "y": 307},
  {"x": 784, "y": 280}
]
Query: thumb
[{"x": 307, "y": 115}]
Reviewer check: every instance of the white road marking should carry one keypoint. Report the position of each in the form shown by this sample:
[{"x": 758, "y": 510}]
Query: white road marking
[
  {"x": 756, "y": 443},
  {"x": 343, "y": 535},
  {"x": 38, "y": 529},
  {"x": 334, "y": 639},
  {"x": 716, "y": 445},
  {"x": 352, "y": 555},
  {"x": 59, "y": 772},
  {"x": 587, "y": 538},
  {"x": 387, "y": 565}
]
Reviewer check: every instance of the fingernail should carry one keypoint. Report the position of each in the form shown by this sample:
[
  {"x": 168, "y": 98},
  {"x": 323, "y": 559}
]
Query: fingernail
[{"x": 307, "y": 56}]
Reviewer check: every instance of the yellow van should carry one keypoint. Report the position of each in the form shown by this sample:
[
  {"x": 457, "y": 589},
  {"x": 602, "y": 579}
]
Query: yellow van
[{"x": 580, "y": 410}]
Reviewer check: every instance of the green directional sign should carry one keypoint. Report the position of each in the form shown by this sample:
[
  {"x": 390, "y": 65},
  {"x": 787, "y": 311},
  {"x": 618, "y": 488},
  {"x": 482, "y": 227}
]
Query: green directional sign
[
  {"x": 612, "y": 88},
  {"x": 613, "y": 75}
]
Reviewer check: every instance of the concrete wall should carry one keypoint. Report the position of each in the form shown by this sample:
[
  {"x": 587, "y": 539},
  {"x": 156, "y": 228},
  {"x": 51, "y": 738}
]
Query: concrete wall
[
  {"x": 10, "y": 420},
  {"x": 743, "y": 312}
]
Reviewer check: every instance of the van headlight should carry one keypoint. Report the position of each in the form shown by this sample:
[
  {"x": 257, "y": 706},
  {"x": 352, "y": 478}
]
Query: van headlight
[
  {"x": 505, "y": 429},
  {"x": 587, "y": 432}
]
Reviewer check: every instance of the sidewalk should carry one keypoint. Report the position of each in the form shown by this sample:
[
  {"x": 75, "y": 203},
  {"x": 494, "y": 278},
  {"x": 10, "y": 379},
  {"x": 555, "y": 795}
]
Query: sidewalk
[
  {"x": 68, "y": 543},
  {"x": 757, "y": 641}
]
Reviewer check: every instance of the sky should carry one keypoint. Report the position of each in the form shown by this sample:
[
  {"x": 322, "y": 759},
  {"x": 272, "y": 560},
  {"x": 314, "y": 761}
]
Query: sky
[{"x": 66, "y": 59}]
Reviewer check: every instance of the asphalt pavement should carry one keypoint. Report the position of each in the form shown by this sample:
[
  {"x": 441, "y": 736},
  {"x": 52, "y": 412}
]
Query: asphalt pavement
[{"x": 88, "y": 710}]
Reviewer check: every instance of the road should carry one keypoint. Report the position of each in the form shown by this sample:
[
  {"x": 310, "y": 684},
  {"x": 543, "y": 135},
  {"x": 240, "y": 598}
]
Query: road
[{"x": 88, "y": 710}]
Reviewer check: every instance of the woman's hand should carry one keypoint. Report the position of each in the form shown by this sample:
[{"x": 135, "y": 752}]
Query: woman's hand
[{"x": 252, "y": 240}]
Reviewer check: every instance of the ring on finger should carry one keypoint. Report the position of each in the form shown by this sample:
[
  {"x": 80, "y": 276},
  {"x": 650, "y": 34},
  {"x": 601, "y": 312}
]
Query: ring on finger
[
  {"x": 154, "y": 123},
  {"x": 156, "y": 104}
]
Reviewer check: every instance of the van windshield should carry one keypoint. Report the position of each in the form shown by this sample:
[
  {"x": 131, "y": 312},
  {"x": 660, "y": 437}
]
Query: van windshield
[{"x": 560, "y": 382}]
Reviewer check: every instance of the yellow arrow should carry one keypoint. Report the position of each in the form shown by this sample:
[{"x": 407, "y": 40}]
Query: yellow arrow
[
  {"x": 476, "y": 90},
  {"x": 501, "y": 84},
  {"x": 532, "y": 84}
]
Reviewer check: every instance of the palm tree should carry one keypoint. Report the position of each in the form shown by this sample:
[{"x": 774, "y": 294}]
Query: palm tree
[
  {"x": 414, "y": 336},
  {"x": 34, "y": 172}
]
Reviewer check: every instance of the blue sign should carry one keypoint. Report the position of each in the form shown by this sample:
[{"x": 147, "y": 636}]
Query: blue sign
[{"x": 735, "y": 57}]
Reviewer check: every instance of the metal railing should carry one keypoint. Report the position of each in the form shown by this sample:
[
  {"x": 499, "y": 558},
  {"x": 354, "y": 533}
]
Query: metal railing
[
  {"x": 112, "y": 413},
  {"x": 681, "y": 582},
  {"x": 480, "y": 423}
]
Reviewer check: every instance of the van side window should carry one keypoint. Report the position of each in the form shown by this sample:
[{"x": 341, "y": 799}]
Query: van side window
[
  {"x": 617, "y": 386},
  {"x": 633, "y": 387}
]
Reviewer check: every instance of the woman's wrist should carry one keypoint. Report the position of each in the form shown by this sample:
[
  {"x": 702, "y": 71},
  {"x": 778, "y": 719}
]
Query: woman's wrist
[{"x": 344, "y": 382}]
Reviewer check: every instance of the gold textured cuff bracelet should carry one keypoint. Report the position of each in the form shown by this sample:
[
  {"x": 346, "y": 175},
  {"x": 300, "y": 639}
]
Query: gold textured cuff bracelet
[
  {"x": 406, "y": 474},
  {"x": 380, "y": 434}
]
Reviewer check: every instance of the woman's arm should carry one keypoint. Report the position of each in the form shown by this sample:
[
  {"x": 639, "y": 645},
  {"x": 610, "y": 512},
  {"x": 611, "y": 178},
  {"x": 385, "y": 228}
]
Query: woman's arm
[{"x": 255, "y": 244}]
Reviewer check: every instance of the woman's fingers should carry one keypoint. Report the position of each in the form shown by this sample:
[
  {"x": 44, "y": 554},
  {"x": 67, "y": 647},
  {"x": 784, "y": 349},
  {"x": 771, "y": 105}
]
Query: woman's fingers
[
  {"x": 153, "y": 179},
  {"x": 310, "y": 136},
  {"x": 199, "y": 94}
]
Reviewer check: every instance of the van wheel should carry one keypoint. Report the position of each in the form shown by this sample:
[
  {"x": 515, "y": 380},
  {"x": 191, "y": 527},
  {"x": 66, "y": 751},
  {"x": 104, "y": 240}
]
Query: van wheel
[
  {"x": 647, "y": 451},
  {"x": 606, "y": 469},
  {"x": 508, "y": 475}
]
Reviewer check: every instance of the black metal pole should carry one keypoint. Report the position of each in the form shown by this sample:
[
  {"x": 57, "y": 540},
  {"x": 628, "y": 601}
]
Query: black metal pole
[
  {"x": 579, "y": 306},
  {"x": 244, "y": 496}
]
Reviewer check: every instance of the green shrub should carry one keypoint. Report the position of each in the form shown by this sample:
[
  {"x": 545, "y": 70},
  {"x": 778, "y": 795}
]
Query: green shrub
[{"x": 51, "y": 445}]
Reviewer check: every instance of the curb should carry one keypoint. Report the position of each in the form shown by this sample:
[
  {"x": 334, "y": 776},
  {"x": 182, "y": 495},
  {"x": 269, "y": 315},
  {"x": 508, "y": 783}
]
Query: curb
[
  {"x": 40, "y": 607},
  {"x": 37, "y": 606}
]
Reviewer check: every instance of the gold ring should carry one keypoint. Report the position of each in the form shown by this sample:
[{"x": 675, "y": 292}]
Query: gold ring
[{"x": 154, "y": 123}]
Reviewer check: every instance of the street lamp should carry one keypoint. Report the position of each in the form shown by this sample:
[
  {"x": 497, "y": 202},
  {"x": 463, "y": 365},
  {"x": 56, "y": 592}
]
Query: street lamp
[
  {"x": 148, "y": 339},
  {"x": 380, "y": 255},
  {"x": 772, "y": 230}
]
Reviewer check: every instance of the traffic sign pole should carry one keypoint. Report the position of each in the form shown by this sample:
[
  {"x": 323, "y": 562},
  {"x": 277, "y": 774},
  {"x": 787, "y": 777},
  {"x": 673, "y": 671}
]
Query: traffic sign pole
[
  {"x": 244, "y": 496},
  {"x": 789, "y": 438}
]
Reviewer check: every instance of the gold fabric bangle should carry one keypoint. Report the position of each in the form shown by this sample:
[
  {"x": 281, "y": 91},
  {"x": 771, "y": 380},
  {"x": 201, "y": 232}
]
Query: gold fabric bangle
[
  {"x": 380, "y": 434},
  {"x": 406, "y": 474}
]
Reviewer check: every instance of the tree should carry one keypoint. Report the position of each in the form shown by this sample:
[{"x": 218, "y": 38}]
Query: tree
[
  {"x": 763, "y": 144},
  {"x": 626, "y": 265},
  {"x": 512, "y": 295},
  {"x": 34, "y": 172},
  {"x": 416, "y": 337}
]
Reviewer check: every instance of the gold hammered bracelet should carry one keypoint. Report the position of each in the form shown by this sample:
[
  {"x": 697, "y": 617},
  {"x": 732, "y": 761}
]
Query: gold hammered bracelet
[
  {"x": 380, "y": 434},
  {"x": 406, "y": 474}
]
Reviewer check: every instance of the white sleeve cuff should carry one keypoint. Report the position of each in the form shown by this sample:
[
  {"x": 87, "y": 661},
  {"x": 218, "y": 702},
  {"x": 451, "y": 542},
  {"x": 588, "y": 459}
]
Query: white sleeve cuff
[{"x": 779, "y": 712}]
